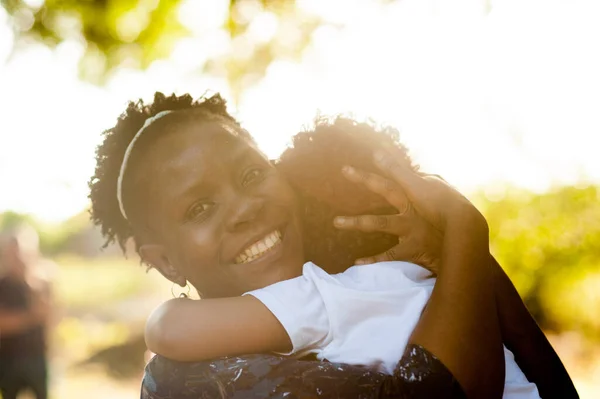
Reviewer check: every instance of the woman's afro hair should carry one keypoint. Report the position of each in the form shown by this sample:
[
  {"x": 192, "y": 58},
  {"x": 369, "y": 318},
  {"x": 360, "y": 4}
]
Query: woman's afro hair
[{"x": 105, "y": 211}]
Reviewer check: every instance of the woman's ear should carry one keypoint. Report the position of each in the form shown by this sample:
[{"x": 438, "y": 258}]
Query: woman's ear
[{"x": 155, "y": 255}]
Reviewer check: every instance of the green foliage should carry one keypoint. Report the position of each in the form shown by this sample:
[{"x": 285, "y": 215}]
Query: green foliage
[
  {"x": 293, "y": 34},
  {"x": 52, "y": 238},
  {"x": 84, "y": 282},
  {"x": 115, "y": 31},
  {"x": 10, "y": 220},
  {"x": 550, "y": 246},
  {"x": 135, "y": 33}
]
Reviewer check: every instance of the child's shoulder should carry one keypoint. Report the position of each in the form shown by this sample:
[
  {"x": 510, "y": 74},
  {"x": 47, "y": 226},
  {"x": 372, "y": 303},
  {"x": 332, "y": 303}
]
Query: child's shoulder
[{"x": 381, "y": 275}]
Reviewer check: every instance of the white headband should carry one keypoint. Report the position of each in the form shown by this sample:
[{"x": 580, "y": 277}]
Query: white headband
[{"x": 148, "y": 122}]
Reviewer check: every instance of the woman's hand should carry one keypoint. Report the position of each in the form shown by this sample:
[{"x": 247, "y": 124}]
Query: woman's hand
[
  {"x": 425, "y": 205},
  {"x": 461, "y": 313},
  {"x": 460, "y": 323},
  {"x": 418, "y": 240},
  {"x": 433, "y": 198}
]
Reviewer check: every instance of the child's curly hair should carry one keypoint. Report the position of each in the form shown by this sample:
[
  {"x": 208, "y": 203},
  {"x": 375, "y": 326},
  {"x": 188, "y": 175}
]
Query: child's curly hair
[{"x": 312, "y": 165}]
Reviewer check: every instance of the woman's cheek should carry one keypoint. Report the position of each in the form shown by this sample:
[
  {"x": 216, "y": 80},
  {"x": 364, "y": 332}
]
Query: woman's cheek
[
  {"x": 277, "y": 186},
  {"x": 200, "y": 251}
]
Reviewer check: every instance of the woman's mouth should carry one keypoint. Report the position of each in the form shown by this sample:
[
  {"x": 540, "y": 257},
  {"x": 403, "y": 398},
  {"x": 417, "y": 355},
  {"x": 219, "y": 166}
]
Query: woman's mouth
[{"x": 260, "y": 248}]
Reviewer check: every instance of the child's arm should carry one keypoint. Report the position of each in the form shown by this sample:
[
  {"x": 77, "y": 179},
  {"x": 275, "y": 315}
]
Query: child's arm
[{"x": 193, "y": 330}]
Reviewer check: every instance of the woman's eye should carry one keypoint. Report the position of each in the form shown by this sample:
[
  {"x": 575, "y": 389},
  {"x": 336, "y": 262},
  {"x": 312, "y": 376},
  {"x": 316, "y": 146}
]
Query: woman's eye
[
  {"x": 252, "y": 175},
  {"x": 198, "y": 210}
]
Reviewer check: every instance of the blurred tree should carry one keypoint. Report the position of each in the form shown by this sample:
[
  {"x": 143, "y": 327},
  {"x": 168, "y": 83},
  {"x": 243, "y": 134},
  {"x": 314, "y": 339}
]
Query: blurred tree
[
  {"x": 10, "y": 220},
  {"x": 115, "y": 32},
  {"x": 53, "y": 238},
  {"x": 549, "y": 245},
  {"x": 134, "y": 33}
]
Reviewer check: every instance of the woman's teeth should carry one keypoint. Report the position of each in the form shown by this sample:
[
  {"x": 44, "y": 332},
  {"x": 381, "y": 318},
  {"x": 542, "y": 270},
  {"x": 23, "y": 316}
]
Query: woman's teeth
[{"x": 259, "y": 248}]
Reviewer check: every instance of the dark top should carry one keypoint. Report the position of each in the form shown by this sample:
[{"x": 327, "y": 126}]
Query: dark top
[
  {"x": 15, "y": 295},
  {"x": 419, "y": 374}
]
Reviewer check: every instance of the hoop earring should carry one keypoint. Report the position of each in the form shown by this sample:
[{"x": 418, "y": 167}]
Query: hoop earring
[
  {"x": 149, "y": 266},
  {"x": 182, "y": 294}
]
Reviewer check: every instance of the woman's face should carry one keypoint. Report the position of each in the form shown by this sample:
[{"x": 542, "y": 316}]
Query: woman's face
[{"x": 222, "y": 216}]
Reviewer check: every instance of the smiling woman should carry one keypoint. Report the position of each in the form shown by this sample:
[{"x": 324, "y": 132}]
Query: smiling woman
[
  {"x": 267, "y": 244},
  {"x": 206, "y": 206},
  {"x": 174, "y": 193}
]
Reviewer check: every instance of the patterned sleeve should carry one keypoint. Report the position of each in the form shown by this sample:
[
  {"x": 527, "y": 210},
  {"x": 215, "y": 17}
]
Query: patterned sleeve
[{"x": 419, "y": 374}]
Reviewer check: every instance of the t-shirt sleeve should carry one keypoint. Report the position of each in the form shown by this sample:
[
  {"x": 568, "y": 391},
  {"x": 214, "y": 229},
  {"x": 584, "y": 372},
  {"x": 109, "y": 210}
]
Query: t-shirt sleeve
[{"x": 299, "y": 307}]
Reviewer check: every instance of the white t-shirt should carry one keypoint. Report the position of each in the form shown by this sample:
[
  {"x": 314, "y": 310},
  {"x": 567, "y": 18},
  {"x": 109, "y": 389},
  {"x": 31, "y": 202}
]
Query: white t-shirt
[{"x": 363, "y": 316}]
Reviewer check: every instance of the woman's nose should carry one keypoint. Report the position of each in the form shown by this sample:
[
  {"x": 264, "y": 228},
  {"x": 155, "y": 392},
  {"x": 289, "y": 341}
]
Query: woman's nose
[{"x": 244, "y": 212}]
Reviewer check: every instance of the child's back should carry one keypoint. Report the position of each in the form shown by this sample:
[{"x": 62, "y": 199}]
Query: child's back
[{"x": 363, "y": 316}]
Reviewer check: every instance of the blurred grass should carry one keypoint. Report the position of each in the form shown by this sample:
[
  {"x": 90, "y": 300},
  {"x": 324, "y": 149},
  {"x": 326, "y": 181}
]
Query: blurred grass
[
  {"x": 100, "y": 303},
  {"x": 87, "y": 282}
]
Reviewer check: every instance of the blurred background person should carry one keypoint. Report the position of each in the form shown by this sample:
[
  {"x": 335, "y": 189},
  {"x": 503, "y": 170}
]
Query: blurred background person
[{"x": 25, "y": 307}]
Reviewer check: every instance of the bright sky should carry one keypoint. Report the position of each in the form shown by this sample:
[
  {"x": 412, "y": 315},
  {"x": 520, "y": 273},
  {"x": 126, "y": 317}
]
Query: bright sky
[{"x": 511, "y": 96}]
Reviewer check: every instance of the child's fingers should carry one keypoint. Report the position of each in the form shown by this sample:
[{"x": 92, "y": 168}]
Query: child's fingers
[
  {"x": 397, "y": 252},
  {"x": 379, "y": 185},
  {"x": 391, "y": 224},
  {"x": 409, "y": 181},
  {"x": 382, "y": 257},
  {"x": 402, "y": 252}
]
